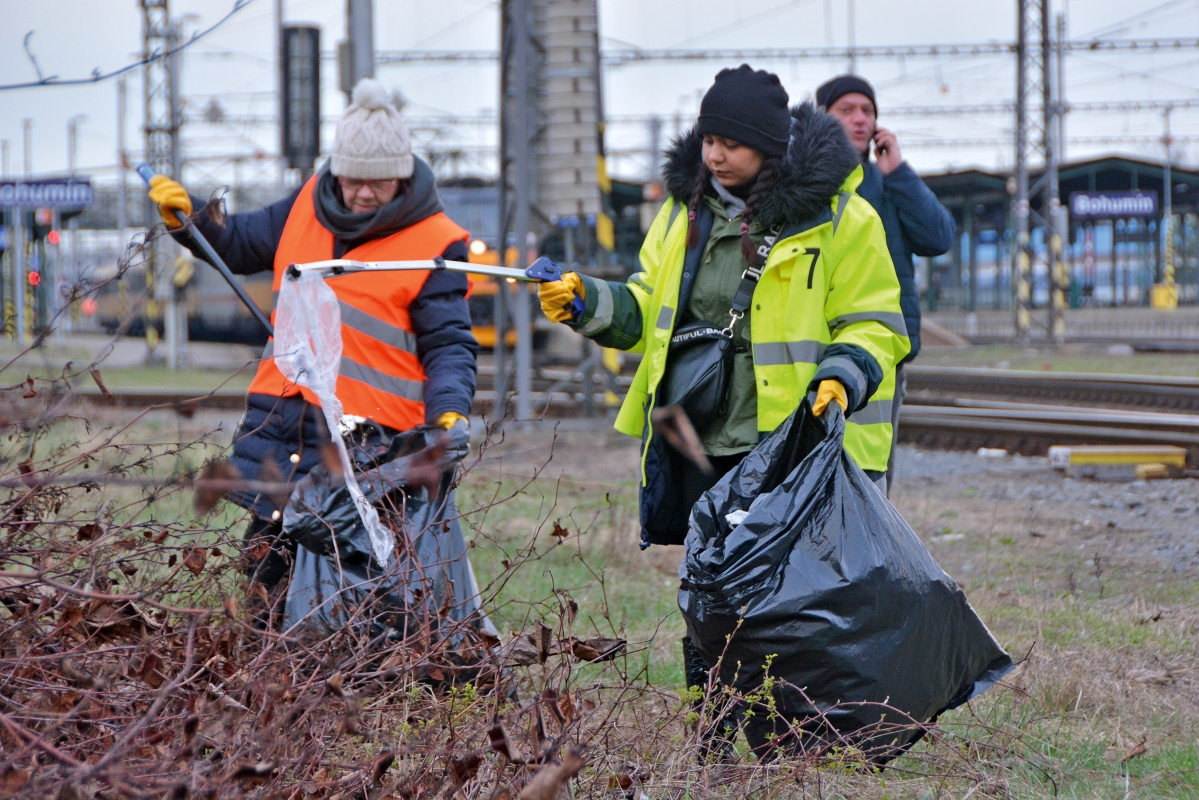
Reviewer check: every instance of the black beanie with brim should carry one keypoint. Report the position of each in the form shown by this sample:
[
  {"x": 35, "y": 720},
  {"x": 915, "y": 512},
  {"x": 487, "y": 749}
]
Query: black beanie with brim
[
  {"x": 750, "y": 107},
  {"x": 834, "y": 89}
]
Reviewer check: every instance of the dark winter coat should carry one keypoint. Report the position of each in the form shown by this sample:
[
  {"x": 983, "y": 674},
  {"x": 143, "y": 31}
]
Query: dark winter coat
[
  {"x": 275, "y": 428},
  {"x": 916, "y": 224}
]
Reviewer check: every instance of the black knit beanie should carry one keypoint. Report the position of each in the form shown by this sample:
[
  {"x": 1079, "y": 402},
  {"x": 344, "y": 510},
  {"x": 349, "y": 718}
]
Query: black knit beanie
[
  {"x": 748, "y": 107},
  {"x": 834, "y": 89}
]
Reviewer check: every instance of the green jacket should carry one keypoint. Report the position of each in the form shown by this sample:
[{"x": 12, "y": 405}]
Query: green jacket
[{"x": 826, "y": 306}]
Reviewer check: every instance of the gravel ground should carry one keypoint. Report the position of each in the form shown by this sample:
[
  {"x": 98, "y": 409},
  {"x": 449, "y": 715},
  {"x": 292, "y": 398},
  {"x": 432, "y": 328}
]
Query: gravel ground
[{"x": 1154, "y": 523}]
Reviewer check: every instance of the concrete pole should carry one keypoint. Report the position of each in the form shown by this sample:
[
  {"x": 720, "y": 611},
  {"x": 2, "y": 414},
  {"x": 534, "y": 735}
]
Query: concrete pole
[
  {"x": 1168, "y": 205},
  {"x": 523, "y": 167},
  {"x": 122, "y": 163},
  {"x": 19, "y": 284},
  {"x": 853, "y": 38},
  {"x": 1054, "y": 231},
  {"x": 27, "y": 131},
  {"x": 361, "y": 33},
  {"x": 278, "y": 9},
  {"x": 59, "y": 279},
  {"x": 1021, "y": 252}
]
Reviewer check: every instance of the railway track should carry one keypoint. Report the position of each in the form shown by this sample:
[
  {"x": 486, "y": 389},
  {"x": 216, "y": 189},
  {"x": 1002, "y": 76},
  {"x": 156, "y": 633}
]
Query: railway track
[
  {"x": 946, "y": 408},
  {"x": 935, "y": 384}
]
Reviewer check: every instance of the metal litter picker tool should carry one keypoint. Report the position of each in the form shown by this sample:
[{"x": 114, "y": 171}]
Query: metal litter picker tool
[
  {"x": 215, "y": 260},
  {"x": 540, "y": 271}
]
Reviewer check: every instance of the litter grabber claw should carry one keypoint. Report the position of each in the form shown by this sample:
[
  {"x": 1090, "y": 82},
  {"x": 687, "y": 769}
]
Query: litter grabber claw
[{"x": 540, "y": 271}]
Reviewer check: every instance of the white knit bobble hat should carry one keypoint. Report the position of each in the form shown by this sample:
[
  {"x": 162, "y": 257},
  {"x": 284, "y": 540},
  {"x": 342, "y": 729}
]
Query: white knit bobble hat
[{"x": 372, "y": 141}]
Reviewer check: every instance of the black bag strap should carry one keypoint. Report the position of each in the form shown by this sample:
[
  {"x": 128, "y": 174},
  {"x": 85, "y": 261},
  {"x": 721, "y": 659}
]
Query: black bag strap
[{"x": 749, "y": 280}]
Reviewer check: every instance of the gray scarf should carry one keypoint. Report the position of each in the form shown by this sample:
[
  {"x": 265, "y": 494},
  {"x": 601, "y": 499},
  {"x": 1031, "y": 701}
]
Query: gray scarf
[{"x": 418, "y": 201}]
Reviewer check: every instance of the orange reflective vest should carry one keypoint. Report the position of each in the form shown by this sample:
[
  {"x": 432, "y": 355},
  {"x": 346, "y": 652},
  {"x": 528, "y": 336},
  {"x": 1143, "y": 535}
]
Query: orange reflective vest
[{"x": 381, "y": 377}]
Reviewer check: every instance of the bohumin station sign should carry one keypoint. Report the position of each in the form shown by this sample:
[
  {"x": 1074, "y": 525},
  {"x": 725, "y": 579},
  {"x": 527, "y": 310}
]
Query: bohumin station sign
[
  {"x": 61, "y": 193},
  {"x": 1113, "y": 205}
]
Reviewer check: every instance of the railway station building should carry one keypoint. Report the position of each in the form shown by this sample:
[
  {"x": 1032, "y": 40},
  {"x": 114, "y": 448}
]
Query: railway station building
[{"x": 1114, "y": 250}]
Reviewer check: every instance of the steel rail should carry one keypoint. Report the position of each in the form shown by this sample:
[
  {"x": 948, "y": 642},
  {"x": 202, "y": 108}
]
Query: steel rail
[{"x": 1118, "y": 391}]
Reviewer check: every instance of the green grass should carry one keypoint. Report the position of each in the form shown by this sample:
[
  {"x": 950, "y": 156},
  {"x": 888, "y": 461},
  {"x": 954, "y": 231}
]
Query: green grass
[{"x": 619, "y": 591}]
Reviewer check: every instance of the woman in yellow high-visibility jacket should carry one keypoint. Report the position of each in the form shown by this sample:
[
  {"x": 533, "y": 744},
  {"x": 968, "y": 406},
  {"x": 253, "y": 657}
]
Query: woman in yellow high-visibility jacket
[{"x": 825, "y": 314}]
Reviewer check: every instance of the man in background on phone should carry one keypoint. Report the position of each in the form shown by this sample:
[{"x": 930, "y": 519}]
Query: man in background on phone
[{"x": 915, "y": 222}]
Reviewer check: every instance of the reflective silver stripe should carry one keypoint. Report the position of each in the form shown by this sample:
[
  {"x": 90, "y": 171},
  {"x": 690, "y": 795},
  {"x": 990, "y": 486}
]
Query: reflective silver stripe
[
  {"x": 400, "y": 387},
  {"x": 770, "y": 354},
  {"x": 603, "y": 309},
  {"x": 665, "y": 315},
  {"x": 636, "y": 281},
  {"x": 376, "y": 328},
  {"x": 842, "y": 201},
  {"x": 269, "y": 350},
  {"x": 274, "y": 299},
  {"x": 892, "y": 320},
  {"x": 675, "y": 208},
  {"x": 846, "y": 366},
  {"x": 876, "y": 412}
]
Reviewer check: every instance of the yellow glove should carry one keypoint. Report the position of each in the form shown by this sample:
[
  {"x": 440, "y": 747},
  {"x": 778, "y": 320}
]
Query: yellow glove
[
  {"x": 449, "y": 418},
  {"x": 556, "y": 296},
  {"x": 169, "y": 195},
  {"x": 828, "y": 391}
]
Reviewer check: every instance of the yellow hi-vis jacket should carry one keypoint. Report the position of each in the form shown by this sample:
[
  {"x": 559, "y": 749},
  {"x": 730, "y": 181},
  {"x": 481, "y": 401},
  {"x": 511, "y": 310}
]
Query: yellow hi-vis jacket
[{"x": 828, "y": 282}]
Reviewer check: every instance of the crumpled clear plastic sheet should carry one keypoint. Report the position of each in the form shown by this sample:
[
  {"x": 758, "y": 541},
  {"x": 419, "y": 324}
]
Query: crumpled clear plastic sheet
[
  {"x": 428, "y": 585},
  {"x": 308, "y": 353},
  {"x": 796, "y": 559}
]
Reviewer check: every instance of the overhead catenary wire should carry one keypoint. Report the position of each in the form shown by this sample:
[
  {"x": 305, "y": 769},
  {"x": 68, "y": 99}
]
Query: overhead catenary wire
[{"x": 98, "y": 75}]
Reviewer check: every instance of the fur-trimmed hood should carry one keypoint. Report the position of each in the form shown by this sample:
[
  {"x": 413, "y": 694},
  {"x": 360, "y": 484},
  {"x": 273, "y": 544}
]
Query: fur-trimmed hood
[{"x": 819, "y": 159}]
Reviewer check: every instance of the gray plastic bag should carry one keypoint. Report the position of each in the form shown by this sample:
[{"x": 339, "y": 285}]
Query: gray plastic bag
[{"x": 427, "y": 585}]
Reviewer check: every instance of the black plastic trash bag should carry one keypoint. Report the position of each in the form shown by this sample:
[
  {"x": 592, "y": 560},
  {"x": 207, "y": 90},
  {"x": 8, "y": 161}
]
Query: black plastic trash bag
[
  {"x": 801, "y": 559},
  {"x": 427, "y": 586}
]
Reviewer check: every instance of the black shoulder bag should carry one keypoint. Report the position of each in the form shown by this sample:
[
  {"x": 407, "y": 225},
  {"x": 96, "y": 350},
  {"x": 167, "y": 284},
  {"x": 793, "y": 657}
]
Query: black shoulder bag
[{"x": 699, "y": 363}]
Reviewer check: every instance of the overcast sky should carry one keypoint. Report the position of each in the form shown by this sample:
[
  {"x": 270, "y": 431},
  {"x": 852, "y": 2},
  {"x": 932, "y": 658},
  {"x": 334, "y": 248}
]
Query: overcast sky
[{"x": 73, "y": 37}]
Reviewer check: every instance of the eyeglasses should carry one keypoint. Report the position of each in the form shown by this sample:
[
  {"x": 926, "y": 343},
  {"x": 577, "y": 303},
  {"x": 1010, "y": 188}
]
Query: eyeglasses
[{"x": 353, "y": 185}]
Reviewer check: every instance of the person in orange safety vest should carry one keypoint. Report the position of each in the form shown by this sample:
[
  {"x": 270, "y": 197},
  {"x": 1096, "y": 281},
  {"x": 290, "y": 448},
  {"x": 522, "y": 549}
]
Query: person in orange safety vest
[{"x": 408, "y": 355}]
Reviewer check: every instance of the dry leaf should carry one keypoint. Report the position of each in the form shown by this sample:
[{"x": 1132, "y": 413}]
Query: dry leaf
[
  {"x": 501, "y": 744},
  {"x": 599, "y": 649},
  {"x": 13, "y": 780},
  {"x": 550, "y": 698},
  {"x": 195, "y": 559},
  {"x": 89, "y": 532},
  {"x": 672, "y": 422},
  {"x": 207, "y": 495},
  {"x": 567, "y": 706},
  {"x": 559, "y": 532},
  {"x": 245, "y": 770},
  {"x": 530, "y": 647},
  {"x": 29, "y": 390},
  {"x": 463, "y": 768},
  {"x": 549, "y": 780},
  {"x": 1135, "y": 752},
  {"x": 334, "y": 683},
  {"x": 1159, "y": 677},
  {"x": 231, "y": 607},
  {"x": 95, "y": 373},
  {"x": 382, "y": 763}
]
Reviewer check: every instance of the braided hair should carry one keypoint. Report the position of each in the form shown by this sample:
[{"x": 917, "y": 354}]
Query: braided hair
[
  {"x": 763, "y": 186},
  {"x": 700, "y": 185}
]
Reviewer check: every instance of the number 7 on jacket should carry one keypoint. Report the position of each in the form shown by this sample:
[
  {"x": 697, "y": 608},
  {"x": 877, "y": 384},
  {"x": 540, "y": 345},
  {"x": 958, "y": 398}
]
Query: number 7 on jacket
[{"x": 815, "y": 254}]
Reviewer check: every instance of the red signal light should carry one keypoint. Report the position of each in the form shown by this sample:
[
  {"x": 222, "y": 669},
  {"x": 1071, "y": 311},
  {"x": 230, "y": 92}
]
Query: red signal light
[
  {"x": 35, "y": 278},
  {"x": 53, "y": 237}
]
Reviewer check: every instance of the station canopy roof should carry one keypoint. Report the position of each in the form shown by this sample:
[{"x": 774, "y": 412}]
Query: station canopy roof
[{"x": 985, "y": 194}]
